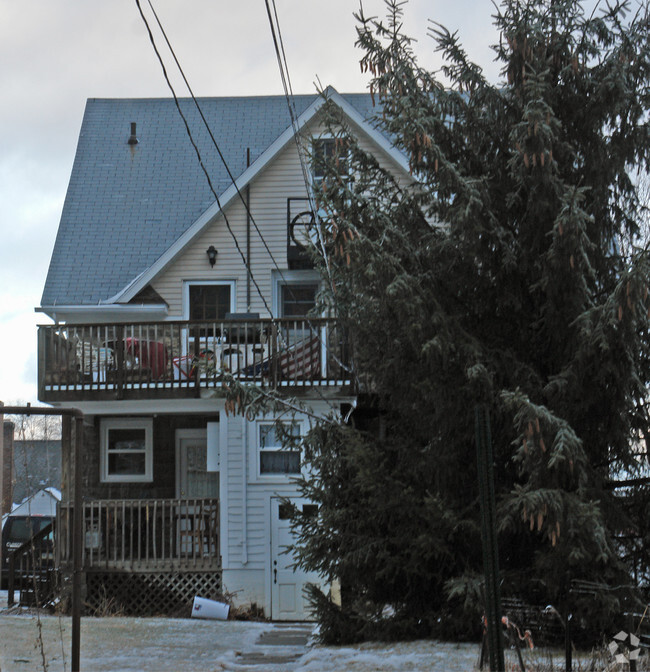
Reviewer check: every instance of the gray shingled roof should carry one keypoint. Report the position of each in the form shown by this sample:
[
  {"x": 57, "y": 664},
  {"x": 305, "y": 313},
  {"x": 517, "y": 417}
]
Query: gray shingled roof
[{"x": 126, "y": 205}]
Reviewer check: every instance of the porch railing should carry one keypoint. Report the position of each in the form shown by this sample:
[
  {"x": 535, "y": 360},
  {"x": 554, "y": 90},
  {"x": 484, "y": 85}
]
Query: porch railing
[
  {"x": 134, "y": 534},
  {"x": 178, "y": 355}
]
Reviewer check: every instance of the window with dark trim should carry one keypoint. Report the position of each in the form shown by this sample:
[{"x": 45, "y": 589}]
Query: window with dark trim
[{"x": 209, "y": 302}]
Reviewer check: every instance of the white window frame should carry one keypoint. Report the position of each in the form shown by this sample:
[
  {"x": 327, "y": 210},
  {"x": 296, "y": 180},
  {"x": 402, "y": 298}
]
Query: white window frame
[
  {"x": 186, "y": 341},
  {"x": 257, "y": 450},
  {"x": 186, "y": 293},
  {"x": 326, "y": 137},
  {"x": 287, "y": 278},
  {"x": 106, "y": 425},
  {"x": 299, "y": 277}
]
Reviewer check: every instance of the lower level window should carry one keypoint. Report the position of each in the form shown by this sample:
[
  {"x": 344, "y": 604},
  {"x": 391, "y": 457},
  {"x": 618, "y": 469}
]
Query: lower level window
[
  {"x": 274, "y": 459},
  {"x": 126, "y": 448}
]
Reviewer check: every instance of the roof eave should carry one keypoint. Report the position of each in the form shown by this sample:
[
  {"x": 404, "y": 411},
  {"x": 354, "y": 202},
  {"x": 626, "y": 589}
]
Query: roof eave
[
  {"x": 217, "y": 208},
  {"x": 105, "y": 313}
]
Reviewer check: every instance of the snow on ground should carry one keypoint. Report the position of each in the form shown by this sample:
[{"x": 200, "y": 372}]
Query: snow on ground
[
  {"x": 401, "y": 657},
  {"x": 190, "y": 645}
]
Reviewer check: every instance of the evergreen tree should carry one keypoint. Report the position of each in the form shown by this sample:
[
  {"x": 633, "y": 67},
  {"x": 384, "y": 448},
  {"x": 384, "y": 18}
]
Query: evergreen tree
[{"x": 508, "y": 272}]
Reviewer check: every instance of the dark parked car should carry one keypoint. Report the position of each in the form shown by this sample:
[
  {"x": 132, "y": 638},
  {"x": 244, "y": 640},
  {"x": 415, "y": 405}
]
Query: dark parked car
[{"x": 19, "y": 529}]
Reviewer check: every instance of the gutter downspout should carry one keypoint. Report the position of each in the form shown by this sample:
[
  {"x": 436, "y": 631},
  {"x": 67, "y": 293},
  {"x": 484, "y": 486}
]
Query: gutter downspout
[
  {"x": 244, "y": 548},
  {"x": 248, "y": 235}
]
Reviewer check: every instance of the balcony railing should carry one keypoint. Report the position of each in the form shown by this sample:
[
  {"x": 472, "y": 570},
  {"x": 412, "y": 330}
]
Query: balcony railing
[
  {"x": 167, "y": 358},
  {"x": 143, "y": 534}
]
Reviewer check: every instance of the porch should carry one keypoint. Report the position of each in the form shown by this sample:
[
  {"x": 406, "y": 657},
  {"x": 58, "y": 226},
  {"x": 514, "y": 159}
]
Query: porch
[
  {"x": 181, "y": 358},
  {"x": 144, "y": 556}
]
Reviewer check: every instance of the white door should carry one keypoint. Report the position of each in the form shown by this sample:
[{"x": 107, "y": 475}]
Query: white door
[
  {"x": 288, "y": 600},
  {"x": 193, "y": 478}
]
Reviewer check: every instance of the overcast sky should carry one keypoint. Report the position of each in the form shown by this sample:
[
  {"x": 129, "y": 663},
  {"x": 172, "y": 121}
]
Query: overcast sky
[{"x": 54, "y": 54}]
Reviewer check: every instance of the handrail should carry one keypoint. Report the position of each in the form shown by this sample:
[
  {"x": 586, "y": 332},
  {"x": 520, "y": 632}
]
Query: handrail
[{"x": 25, "y": 548}]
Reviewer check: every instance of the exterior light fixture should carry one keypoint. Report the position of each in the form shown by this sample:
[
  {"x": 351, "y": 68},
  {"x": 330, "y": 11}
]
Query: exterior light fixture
[{"x": 212, "y": 255}]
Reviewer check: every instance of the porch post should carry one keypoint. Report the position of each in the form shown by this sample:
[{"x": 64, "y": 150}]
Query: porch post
[{"x": 77, "y": 545}]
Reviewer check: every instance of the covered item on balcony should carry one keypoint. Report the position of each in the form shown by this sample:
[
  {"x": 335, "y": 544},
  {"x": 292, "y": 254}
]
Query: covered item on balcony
[
  {"x": 299, "y": 361},
  {"x": 149, "y": 354}
]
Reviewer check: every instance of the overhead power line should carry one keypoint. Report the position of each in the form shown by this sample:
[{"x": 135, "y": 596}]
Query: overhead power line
[
  {"x": 281, "y": 56},
  {"x": 246, "y": 262},
  {"x": 199, "y": 157},
  {"x": 213, "y": 139}
]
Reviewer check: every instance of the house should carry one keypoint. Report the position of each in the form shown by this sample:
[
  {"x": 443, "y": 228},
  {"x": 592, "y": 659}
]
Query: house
[
  {"x": 155, "y": 288},
  {"x": 40, "y": 503}
]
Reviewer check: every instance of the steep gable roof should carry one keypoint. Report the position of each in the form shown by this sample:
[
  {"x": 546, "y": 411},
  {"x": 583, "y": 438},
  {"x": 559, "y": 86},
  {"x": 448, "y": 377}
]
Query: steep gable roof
[{"x": 127, "y": 205}]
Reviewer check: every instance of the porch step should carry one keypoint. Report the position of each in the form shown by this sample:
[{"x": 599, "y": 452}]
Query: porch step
[
  {"x": 294, "y": 638},
  {"x": 281, "y": 635}
]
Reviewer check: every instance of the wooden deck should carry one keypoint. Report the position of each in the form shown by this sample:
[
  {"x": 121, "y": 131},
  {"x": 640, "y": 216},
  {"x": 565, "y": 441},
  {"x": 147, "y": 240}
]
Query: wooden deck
[
  {"x": 144, "y": 535},
  {"x": 80, "y": 362}
]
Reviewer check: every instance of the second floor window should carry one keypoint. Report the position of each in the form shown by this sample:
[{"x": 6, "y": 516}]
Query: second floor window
[
  {"x": 297, "y": 300},
  {"x": 209, "y": 302}
]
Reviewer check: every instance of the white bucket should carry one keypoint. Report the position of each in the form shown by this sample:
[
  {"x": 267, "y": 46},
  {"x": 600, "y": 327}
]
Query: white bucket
[{"x": 204, "y": 608}]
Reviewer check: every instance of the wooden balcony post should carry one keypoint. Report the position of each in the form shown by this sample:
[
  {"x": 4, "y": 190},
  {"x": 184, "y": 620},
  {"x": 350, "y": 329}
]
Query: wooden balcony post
[
  {"x": 119, "y": 361},
  {"x": 274, "y": 353},
  {"x": 43, "y": 333}
]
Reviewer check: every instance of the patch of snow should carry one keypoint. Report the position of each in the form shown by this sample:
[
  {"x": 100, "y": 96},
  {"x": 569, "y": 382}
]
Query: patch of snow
[
  {"x": 192, "y": 645},
  {"x": 417, "y": 656}
]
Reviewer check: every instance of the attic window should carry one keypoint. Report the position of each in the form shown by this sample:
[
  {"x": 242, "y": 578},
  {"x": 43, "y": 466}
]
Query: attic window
[{"x": 323, "y": 151}]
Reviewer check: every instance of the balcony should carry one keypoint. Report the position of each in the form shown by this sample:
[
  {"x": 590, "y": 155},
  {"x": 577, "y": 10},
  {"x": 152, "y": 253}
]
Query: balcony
[{"x": 175, "y": 359}]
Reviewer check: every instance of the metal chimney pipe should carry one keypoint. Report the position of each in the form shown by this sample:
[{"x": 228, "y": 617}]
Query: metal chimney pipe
[{"x": 133, "y": 139}]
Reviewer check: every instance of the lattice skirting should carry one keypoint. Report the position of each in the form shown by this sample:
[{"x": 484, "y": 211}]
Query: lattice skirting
[{"x": 149, "y": 593}]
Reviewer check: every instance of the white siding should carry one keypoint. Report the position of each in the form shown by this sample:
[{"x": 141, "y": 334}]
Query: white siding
[
  {"x": 280, "y": 180},
  {"x": 246, "y": 539}
]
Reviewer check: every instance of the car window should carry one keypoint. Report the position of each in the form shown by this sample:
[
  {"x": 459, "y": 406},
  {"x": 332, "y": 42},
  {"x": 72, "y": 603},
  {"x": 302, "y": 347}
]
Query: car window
[{"x": 22, "y": 528}]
